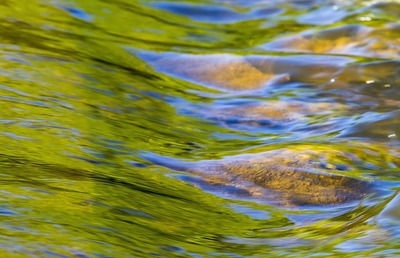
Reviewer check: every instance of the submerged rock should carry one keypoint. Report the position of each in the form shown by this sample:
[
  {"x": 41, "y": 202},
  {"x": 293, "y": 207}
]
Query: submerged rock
[
  {"x": 348, "y": 40},
  {"x": 247, "y": 73},
  {"x": 267, "y": 114},
  {"x": 283, "y": 177},
  {"x": 220, "y": 71}
]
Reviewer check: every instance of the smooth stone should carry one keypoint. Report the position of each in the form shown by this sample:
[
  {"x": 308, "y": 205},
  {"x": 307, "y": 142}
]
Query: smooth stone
[{"x": 282, "y": 177}]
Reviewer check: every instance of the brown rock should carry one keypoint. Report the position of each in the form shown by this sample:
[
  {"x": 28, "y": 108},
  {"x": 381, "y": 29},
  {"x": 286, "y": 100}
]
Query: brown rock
[
  {"x": 348, "y": 40},
  {"x": 285, "y": 177},
  {"x": 219, "y": 71},
  {"x": 267, "y": 114}
]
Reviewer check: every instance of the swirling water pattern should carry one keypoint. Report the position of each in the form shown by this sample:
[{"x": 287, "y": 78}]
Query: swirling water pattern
[{"x": 117, "y": 117}]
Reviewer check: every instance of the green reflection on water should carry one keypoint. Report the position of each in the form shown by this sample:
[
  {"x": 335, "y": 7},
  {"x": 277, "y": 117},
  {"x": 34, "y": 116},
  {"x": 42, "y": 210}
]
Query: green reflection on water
[{"x": 79, "y": 108}]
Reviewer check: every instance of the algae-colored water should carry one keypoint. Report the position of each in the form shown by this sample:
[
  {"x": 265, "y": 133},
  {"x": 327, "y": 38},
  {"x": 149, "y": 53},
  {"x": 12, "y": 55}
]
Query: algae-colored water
[{"x": 213, "y": 128}]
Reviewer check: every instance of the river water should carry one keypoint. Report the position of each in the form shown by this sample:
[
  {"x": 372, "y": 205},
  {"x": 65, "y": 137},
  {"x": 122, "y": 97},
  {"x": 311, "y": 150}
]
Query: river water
[{"x": 117, "y": 118}]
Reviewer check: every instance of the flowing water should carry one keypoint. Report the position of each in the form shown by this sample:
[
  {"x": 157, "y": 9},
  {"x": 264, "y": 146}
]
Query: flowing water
[{"x": 213, "y": 128}]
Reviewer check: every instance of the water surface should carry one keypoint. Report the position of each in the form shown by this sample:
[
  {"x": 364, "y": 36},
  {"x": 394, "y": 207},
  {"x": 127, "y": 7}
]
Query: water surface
[{"x": 103, "y": 101}]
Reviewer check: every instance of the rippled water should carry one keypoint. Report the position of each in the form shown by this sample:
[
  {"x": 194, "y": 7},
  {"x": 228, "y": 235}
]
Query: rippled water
[{"x": 148, "y": 128}]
